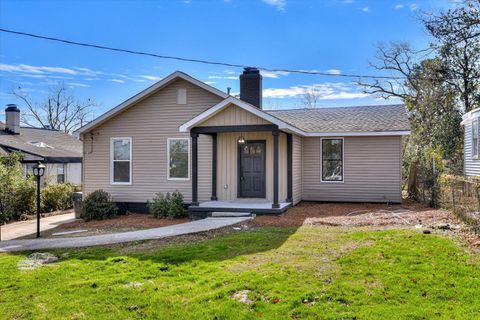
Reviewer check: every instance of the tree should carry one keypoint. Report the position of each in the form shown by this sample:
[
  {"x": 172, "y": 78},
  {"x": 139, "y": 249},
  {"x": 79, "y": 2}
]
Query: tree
[
  {"x": 310, "y": 98},
  {"x": 456, "y": 35},
  {"x": 61, "y": 110}
]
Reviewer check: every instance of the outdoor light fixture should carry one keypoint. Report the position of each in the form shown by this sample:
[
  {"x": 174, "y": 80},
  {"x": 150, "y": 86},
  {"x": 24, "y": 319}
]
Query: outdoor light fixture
[
  {"x": 241, "y": 140},
  {"x": 38, "y": 171}
]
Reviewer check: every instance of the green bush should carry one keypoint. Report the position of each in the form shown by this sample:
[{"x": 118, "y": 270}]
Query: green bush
[
  {"x": 167, "y": 206},
  {"x": 17, "y": 193},
  {"x": 57, "y": 197},
  {"x": 99, "y": 205}
]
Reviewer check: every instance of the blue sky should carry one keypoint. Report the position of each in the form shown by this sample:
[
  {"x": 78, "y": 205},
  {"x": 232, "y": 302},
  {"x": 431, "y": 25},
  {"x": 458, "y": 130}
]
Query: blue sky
[{"x": 330, "y": 35}]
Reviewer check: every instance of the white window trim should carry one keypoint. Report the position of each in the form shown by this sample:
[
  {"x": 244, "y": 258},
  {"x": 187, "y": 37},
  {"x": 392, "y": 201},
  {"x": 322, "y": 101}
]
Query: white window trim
[
  {"x": 168, "y": 159},
  {"x": 112, "y": 182},
  {"x": 343, "y": 159}
]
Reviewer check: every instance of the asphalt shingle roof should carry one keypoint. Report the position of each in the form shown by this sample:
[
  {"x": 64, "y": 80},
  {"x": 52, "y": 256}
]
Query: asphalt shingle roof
[
  {"x": 346, "y": 119},
  {"x": 59, "y": 144}
]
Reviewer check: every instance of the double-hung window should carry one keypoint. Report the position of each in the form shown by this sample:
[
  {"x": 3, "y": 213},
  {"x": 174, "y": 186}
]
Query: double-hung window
[
  {"x": 475, "y": 138},
  {"x": 332, "y": 160},
  {"x": 121, "y": 155},
  {"x": 178, "y": 150}
]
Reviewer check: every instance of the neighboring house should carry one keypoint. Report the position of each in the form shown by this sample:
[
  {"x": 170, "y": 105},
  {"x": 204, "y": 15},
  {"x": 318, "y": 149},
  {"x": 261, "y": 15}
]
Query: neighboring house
[
  {"x": 470, "y": 122},
  {"x": 60, "y": 152},
  {"x": 227, "y": 154}
]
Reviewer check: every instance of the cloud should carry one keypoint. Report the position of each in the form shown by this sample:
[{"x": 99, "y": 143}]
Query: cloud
[
  {"x": 326, "y": 91},
  {"x": 399, "y": 6},
  {"x": 151, "y": 78},
  {"x": 116, "y": 80},
  {"x": 334, "y": 71},
  {"x": 210, "y": 82},
  {"x": 413, "y": 6},
  {"x": 25, "y": 68},
  {"x": 279, "y": 4},
  {"x": 273, "y": 74},
  {"x": 365, "y": 9},
  {"x": 223, "y": 77},
  {"x": 77, "y": 84}
]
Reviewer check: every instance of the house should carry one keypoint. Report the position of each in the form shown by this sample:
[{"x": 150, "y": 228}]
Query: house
[
  {"x": 228, "y": 154},
  {"x": 471, "y": 143},
  {"x": 60, "y": 152}
]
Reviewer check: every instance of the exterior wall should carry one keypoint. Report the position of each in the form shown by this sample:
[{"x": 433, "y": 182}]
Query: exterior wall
[
  {"x": 149, "y": 123},
  {"x": 372, "y": 171},
  {"x": 227, "y": 164},
  {"x": 232, "y": 116},
  {"x": 297, "y": 169},
  {"x": 472, "y": 166},
  {"x": 73, "y": 173}
]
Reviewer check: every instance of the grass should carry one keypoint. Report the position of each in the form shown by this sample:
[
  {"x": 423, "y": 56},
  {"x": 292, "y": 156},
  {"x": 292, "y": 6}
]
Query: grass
[{"x": 310, "y": 272}]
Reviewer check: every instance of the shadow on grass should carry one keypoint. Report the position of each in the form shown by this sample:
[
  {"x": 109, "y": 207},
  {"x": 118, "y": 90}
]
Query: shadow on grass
[{"x": 208, "y": 247}]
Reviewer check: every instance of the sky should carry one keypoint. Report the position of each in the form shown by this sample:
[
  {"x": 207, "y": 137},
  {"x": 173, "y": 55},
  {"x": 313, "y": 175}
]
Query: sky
[{"x": 332, "y": 36}]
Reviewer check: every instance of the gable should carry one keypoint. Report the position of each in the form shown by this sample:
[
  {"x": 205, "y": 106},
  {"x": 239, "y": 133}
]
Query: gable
[{"x": 233, "y": 115}]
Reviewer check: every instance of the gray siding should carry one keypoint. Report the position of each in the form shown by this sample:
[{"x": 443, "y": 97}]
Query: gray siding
[
  {"x": 150, "y": 122},
  {"x": 297, "y": 169},
  {"x": 472, "y": 166},
  {"x": 372, "y": 171}
]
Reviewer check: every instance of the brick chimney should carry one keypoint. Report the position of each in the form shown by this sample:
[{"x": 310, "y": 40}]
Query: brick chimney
[
  {"x": 251, "y": 86},
  {"x": 12, "y": 119}
]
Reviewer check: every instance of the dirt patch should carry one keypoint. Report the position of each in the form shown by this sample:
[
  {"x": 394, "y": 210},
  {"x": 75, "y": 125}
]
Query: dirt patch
[
  {"x": 129, "y": 222},
  {"x": 297, "y": 215}
]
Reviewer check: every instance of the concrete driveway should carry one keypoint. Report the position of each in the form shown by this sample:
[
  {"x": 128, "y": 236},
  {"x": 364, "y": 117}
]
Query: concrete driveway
[
  {"x": 24, "y": 228},
  {"x": 106, "y": 239}
]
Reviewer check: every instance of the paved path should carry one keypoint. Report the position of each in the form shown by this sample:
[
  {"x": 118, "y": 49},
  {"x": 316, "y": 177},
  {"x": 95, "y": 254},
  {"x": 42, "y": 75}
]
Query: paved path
[
  {"x": 105, "y": 239},
  {"x": 24, "y": 228}
]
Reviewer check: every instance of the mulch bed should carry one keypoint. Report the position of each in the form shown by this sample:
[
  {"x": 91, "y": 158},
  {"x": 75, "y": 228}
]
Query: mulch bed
[{"x": 298, "y": 215}]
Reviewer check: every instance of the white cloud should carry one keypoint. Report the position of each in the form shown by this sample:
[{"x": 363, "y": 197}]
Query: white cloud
[
  {"x": 399, "y": 6},
  {"x": 116, "y": 80},
  {"x": 326, "y": 91},
  {"x": 151, "y": 78},
  {"x": 365, "y": 9},
  {"x": 413, "y": 6},
  {"x": 77, "y": 84},
  {"x": 25, "y": 68},
  {"x": 231, "y": 72},
  {"x": 223, "y": 77},
  {"x": 273, "y": 74},
  {"x": 210, "y": 82},
  {"x": 279, "y": 4},
  {"x": 334, "y": 71}
]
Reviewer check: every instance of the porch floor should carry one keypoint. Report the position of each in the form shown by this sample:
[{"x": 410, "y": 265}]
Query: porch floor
[{"x": 240, "y": 205}]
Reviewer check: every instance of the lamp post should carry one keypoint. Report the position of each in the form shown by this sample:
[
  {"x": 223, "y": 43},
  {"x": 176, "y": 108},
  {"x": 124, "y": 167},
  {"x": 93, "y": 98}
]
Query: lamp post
[{"x": 38, "y": 171}]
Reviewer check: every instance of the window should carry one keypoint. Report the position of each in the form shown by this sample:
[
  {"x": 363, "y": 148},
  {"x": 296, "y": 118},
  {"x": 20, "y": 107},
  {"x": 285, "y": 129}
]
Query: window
[
  {"x": 332, "y": 160},
  {"x": 60, "y": 173},
  {"x": 178, "y": 158},
  {"x": 182, "y": 96},
  {"x": 475, "y": 138},
  {"x": 121, "y": 155}
]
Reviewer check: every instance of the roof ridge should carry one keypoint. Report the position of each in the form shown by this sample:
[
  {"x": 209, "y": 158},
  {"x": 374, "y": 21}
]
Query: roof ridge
[{"x": 339, "y": 107}]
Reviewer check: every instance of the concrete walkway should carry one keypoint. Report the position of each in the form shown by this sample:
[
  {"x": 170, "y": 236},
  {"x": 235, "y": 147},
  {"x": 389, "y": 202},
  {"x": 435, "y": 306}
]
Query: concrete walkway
[
  {"x": 106, "y": 239},
  {"x": 24, "y": 228}
]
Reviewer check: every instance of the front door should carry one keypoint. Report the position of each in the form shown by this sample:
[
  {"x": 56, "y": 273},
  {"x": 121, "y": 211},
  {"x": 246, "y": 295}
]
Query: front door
[{"x": 251, "y": 169}]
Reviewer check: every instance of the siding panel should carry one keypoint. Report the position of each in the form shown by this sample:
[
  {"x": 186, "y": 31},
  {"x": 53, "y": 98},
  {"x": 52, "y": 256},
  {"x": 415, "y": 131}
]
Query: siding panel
[
  {"x": 233, "y": 115},
  {"x": 372, "y": 171},
  {"x": 472, "y": 166},
  {"x": 150, "y": 122},
  {"x": 297, "y": 169}
]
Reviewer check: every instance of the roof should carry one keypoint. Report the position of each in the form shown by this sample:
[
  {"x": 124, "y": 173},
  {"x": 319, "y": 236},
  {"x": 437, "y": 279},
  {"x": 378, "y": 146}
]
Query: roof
[
  {"x": 471, "y": 115},
  {"x": 347, "y": 120},
  {"x": 146, "y": 93},
  {"x": 46, "y": 143}
]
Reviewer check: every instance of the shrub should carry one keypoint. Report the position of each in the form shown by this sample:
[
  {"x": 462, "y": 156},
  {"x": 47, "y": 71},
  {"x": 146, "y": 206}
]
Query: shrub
[
  {"x": 167, "y": 206},
  {"x": 17, "y": 193},
  {"x": 99, "y": 205},
  {"x": 57, "y": 197}
]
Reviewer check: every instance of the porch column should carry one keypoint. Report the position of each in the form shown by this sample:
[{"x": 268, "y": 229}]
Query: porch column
[
  {"x": 275, "y": 203},
  {"x": 214, "y": 167},
  {"x": 289, "y": 168},
  {"x": 194, "y": 136}
]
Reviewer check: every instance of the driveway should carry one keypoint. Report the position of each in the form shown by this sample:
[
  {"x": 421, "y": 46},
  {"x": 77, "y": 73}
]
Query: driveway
[
  {"x": 24, "y": 228},
  {"x": 106, "y": 239}
]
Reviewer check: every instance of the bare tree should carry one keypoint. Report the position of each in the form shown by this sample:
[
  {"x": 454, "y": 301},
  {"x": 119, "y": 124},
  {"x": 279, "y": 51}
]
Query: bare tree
[
  {"x": 61, "y": 110},
  {"x": 311, "y": 97}
]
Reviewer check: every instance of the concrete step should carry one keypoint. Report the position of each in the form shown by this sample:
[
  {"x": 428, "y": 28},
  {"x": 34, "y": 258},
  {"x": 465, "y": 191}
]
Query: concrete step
[{"x": 230, "y": 214}]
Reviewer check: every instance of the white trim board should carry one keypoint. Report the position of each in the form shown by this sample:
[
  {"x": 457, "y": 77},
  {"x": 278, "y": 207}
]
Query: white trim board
[{"x": 144, "y": 94}]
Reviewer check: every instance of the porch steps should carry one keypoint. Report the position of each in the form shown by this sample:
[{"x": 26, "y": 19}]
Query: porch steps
[{"x": 217, "y": 214}]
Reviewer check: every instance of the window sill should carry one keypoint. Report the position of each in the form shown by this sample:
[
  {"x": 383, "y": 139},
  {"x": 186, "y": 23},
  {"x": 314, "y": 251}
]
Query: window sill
[{"x": 322, "y": 181}]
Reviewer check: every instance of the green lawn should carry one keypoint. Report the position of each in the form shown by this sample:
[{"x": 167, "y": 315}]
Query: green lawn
[{"x": 311, "y": 272}]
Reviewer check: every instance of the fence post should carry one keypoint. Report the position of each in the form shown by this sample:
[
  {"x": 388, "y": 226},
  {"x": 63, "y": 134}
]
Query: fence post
[{"x": 453, "y": 196}]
